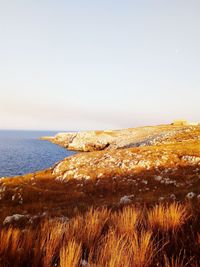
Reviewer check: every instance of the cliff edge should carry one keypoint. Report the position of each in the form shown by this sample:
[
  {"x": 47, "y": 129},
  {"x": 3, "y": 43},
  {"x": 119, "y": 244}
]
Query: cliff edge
[{"x": 125, "y": 138}]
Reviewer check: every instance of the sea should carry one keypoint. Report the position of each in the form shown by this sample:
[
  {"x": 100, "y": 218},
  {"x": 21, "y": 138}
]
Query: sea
[{"x": 22, "y": 152}]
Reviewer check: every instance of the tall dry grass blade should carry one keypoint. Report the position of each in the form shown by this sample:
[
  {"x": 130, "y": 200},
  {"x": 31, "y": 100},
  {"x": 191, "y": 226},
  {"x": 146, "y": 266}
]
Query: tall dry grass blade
[
  {"x": 198, "y": 238},
  {"x": 175, "y": 261},
  {"x": 70, "y": 255},
  {"x": 168, "y": 217},
  {"x": 88, "y": 228},
  {"x": 143, "y": 249},
  {"x": 16, "y": 245},
  {"x": 126, "y": 221},
  {"x": 114, "y": 251},
  {"x": 51, "y": 238},
  {"x": 10, "y": 240}
]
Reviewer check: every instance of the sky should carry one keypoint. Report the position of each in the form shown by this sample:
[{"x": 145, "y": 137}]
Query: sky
[{"x": 88, "y": 64}]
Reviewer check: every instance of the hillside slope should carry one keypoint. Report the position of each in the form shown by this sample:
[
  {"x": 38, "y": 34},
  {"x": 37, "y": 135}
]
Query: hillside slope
[{"x": 166, "y": 171}]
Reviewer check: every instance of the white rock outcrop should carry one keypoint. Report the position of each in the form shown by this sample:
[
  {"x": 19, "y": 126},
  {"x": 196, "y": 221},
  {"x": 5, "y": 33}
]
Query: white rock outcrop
[
  {"x": 14, "y": 218},
  {"x": 126, "y": 199}
]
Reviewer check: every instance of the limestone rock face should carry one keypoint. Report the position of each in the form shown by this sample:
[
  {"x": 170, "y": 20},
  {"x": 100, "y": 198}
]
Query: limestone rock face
[{"x": 125, "y": 138}]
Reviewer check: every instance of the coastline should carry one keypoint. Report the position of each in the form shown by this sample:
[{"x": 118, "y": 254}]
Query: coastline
[{"x": 102, "y": 177}]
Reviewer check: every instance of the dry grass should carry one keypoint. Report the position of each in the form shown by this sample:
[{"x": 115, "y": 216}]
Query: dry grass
[
  {"x": 175, "y": 261},
  {"x": 121, "y": 250},
  {"x": 168, "y": 217},
  {"x": 70, "y": 254},
  {"x": 198, "y": 238},
  {"x": 143, "y": 249},
  {"x": 94, "y": 222},
  {"x": 15, "y": 245},
  {"x": 103, "y": 238},
  {"x": 9, "y": 240},
  {"x": 114, "y": 251},
  {"x": 88, "y": 228},
  {"x": 126, "y": 221},
  {"x": 51, "y": 240}
]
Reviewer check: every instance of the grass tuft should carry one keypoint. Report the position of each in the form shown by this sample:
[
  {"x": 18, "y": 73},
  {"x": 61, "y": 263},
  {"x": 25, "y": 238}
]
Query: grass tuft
[
  {"x": 70, "y": 254},
  {"x": 126, "y": 221},
  {"x": 168, "y": 217}
]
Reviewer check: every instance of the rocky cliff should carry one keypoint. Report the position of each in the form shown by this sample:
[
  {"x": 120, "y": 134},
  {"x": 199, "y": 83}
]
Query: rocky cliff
[{"x": 133, "y": 137}]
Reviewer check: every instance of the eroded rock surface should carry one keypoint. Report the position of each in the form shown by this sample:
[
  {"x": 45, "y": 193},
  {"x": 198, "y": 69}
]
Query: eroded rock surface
[
  {"x": 130, "y": 161},
  {"x": 133, "y": 137}
]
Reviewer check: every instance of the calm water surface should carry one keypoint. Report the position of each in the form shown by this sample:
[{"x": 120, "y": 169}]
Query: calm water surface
[{"x": 21, "y": 152}]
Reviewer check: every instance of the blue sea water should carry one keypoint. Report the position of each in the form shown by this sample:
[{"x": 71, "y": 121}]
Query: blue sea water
[{"x": 22, "y": 152}]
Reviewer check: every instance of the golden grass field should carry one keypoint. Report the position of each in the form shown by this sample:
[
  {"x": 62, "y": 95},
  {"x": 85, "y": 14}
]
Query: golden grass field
[
  {"x": 136, "y": 206},
  {"x": 161, "y": 235}
]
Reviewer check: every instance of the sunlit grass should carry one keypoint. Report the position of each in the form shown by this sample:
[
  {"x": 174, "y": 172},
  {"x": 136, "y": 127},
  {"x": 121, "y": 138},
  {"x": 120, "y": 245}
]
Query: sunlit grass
[
  {"x": 168, "y": 217},
  {"x": 129, "y": 237},
  {"x": 87, "y": 228},
  {"x": 94, "y": 221},
  {"x": 51, "y": 240},
  {"x": 9, "y": 239},
  {"x": 143, "y": 249},
  {"x": 126, "y": 221},
  {"x": 70, "y": 254},
  {"x": 114, "y": 251}
]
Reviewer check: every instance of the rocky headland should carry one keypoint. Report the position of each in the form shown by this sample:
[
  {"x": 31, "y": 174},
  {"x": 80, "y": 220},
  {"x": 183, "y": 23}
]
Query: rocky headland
[{"x": 125, "y": 138}]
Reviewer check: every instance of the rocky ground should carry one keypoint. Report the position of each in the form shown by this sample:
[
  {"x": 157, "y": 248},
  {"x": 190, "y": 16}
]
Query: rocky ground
[
  {"x": 132, "y": 137},
  {"x": 153, "y": 164}
]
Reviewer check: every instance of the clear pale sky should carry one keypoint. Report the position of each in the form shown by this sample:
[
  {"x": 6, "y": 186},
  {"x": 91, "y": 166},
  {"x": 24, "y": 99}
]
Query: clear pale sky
[{"x": 70, "y": 65}]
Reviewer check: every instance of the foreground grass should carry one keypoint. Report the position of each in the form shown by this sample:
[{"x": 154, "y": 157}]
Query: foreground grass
[
  {"x": 167, "y": 218},
  {"x": 163, "y": 235},
  {"x": 34, "y": 209}
]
